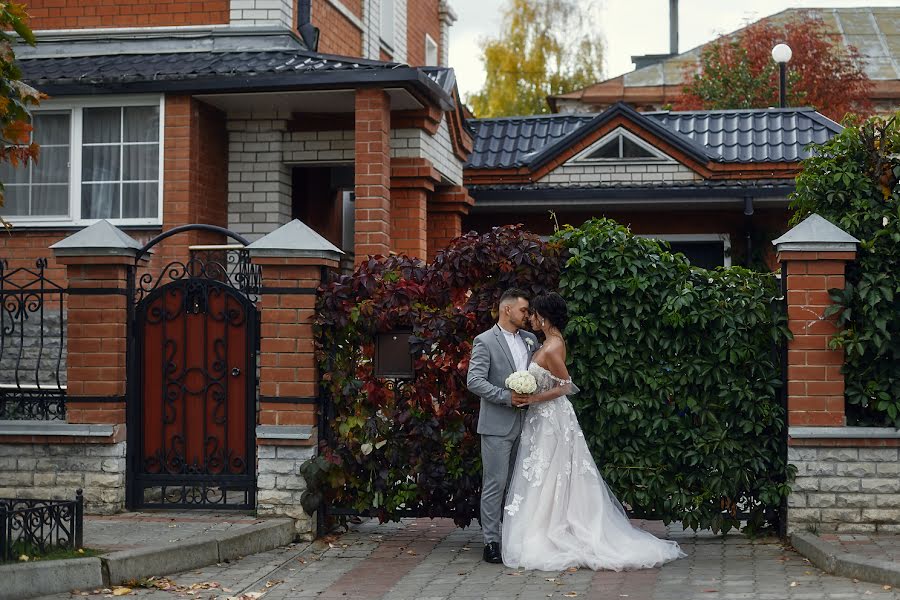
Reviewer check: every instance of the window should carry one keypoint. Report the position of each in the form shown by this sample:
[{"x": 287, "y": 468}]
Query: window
[
  {"x": 431, "y": 52},
  {"x": 96, "y": 162},
  {"x": 386, "y": 31},
  {"x": 707, "y": 250},
  {"x": 620, "y": 146}
]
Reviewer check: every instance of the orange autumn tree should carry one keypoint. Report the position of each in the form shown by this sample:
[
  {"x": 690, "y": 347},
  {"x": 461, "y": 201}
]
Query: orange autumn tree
[
  {"x": 737, "y": 71},
  {"x": 16, "y": 146}
]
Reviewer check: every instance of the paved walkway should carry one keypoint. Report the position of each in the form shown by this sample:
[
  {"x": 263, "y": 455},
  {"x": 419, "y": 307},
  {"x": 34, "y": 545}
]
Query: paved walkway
[
  {"x": 877, "y": 546},
  {"x": 136, "y": 530},
  {"x": 432, "y": 560}
]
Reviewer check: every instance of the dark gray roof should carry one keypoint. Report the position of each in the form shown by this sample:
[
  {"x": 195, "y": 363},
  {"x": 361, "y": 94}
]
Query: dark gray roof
[
  {"x": 228, "y": 70},
  {"x": 752, "y": 135},
  {"x": 764, "y": 135}
]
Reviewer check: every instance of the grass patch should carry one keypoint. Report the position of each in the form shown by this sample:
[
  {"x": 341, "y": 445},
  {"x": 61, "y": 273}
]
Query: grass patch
[{"x": 33, "y": 552}]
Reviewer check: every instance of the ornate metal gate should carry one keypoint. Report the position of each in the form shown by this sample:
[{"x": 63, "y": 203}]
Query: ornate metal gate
[{"x": 192, "y": 380}]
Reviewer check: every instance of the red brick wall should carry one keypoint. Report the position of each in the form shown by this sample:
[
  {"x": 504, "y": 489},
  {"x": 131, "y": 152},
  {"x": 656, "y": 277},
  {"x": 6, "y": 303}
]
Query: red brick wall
[
  {"x": 421, "y": 18},
  {"x": 373, "y": 173},
  {"x": 88, "y": 14},
  {"x": 337, "y": 34}
]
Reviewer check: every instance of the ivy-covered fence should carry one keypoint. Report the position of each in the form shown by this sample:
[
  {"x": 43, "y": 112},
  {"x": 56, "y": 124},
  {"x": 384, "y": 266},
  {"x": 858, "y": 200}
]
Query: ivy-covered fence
[
  {"x": 680, "y": 385},
  {"x": 853, "y": 180}
]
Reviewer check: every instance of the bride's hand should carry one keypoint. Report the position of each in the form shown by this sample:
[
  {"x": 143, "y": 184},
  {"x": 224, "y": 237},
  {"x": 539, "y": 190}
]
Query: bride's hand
[{"x": 520, "y": 399}]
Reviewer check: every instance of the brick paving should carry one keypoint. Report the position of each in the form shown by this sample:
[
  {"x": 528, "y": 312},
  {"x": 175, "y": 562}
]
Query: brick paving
[
  {"x": 420, "y": 559},
  {"x": 139, "y": 529},
  {"x": 877, "y": 546}
]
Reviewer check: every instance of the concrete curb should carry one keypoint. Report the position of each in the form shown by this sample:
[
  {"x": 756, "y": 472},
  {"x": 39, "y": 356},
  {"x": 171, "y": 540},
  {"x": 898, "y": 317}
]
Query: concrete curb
[
  {"x": 119, "y": 567},
  {"x": 831, "y": 559},
  {"x": 25, "y": 580}
]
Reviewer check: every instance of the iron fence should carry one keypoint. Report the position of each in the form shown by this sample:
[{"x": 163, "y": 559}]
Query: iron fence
[
  {"x": 32, "y": 344},
  {"x": 35, "y": 527}
]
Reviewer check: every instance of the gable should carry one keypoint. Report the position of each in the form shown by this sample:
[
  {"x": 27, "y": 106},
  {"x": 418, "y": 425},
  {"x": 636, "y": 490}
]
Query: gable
[{"x": 619, "y": 146}]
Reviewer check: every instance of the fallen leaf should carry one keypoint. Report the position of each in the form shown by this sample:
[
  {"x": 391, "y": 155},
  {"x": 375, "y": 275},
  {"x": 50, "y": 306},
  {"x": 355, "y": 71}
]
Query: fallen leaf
[
  {"x": 572, "y": 569},
  {"x": 411, "y": 552},
  {"x": 794, "y": 584},
  {"x": 514, "y": 573},
  {"x": 885, "y": 587},
  {"x": 551, "y": 579},
  {"x": 24, "y": 557},
  {"x": 570, "y": 594},
  {"x": 273, "y": 582},
  {"x": 121, "y": 591}
]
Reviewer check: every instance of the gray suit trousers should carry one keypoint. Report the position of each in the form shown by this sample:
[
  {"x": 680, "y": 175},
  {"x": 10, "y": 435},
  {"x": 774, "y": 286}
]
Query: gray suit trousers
[{"x": 498, "y": 459}]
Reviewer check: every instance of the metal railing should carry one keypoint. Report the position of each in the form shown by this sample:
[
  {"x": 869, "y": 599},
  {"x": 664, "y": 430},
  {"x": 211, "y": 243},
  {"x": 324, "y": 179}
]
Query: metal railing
[
  {"x": 34, "y": 527},
  {"x": 32, "y": 344}
]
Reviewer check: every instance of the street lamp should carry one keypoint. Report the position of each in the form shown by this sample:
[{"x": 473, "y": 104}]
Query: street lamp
[{"x": 782, "y": 54}]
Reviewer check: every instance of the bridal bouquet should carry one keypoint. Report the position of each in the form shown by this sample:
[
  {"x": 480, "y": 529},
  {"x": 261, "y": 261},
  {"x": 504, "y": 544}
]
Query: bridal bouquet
[{"x": 521, "y": 382}]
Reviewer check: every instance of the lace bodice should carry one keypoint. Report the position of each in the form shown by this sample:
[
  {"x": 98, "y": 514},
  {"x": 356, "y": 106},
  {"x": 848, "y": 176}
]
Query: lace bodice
[{"x": 544, "y": 378}]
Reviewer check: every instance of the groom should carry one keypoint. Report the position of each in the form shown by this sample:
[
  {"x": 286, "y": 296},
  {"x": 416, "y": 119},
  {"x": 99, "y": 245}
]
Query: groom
[{"x": 496, "y": 354}]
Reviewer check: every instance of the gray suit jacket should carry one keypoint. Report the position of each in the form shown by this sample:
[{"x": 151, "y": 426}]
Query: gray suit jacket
[{"x": 491, "y": 363}]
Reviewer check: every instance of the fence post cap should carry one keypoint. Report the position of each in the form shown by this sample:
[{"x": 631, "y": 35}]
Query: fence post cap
[
  {"x": 816, "y": 234},
  {"x": 294, "y": 240},
  {"x": 100, "y": 239}
]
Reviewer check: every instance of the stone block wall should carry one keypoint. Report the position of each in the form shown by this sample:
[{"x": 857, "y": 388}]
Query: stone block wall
[
  {"x": 33, "y": 353},
  {"x": 634, "y": 174},
  {"x": 841, "y": 489},
  {"x": 56, "y": 470},
  {"x": 280, "y": 484}
]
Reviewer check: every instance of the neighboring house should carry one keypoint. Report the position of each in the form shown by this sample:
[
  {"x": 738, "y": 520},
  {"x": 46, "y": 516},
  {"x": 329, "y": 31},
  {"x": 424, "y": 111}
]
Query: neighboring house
[
  {"x": 874, "y": 32},
  {"x": 712, "y": 183},
  {"x": 242, "y": 114}
]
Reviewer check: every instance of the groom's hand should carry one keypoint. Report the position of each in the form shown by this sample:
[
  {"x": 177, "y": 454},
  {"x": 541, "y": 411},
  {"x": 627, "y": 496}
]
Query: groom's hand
[{"x": 519, "y": 399}]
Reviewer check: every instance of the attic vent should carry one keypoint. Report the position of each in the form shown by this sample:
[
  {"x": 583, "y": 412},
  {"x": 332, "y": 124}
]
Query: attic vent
[
  {"x": 621, "y": 145},
  {"x": 618, "y": 148}
]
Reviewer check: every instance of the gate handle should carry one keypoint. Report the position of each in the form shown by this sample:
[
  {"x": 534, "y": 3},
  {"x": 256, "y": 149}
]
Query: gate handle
[{"x": 235, "y": 372}]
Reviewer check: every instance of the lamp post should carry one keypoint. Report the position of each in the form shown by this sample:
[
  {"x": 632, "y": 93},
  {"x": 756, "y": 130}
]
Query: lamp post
[{"x": 781, "y": 54}]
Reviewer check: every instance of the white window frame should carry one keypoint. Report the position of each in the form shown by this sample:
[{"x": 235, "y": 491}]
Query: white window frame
[
  {"x": 658, "y": 157},
  {"x": 725, "y": 238},
  {"x": 75, "y": 106},
  {"x": 429, "y": 45},
  {"x": 388, "y": 41}
]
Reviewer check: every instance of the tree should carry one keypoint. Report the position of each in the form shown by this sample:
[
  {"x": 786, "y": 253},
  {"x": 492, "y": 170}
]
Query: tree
[
  {"x": 738, "y": 71},
  {"x": 16, "y": 146},
  {"x": 546, "y": 47}
]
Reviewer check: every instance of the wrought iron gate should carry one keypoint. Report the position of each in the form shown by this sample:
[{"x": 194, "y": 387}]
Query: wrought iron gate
[{"x": 192, "y": 380}]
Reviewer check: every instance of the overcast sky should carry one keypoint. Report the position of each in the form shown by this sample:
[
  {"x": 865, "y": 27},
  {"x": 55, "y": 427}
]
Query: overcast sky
[{"x": 628, "y": 27}]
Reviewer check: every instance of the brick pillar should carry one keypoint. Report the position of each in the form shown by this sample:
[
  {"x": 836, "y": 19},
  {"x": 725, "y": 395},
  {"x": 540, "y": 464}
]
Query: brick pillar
[
  {"x": 373, "y": 173},
  {"x": 97, "y": 260},
  {"x": 814, "y": 256},
  {"x": 294, "y": 260},
  {"x": 412, "y": 181},
  {"x": 445, "y": 213}
]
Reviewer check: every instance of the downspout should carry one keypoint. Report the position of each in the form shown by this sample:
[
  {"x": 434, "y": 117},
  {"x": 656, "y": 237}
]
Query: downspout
[
  {"x": 308, "y": 32},
  {"x": 748, "y": 225}
]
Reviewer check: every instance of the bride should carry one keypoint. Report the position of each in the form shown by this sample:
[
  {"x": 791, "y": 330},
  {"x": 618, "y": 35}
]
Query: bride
[{"x": 560, "y": 513}]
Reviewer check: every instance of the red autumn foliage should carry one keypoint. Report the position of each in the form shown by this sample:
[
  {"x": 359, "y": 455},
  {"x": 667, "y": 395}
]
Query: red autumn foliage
[{"x": 738, "y": 71}]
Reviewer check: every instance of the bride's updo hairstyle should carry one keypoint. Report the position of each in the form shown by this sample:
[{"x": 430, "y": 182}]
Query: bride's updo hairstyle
[{"x": 552, "y": 307}]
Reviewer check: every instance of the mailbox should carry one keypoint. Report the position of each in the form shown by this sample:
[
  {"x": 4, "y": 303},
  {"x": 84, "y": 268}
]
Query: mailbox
[{"x": 393, "y": 355}]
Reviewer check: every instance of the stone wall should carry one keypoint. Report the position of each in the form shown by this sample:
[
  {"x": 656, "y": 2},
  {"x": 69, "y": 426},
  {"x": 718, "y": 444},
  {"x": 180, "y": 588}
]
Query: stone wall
[
  {"x": 55, "y": 471},
  {"x": 280, "y": 484},
  {"x": 629, "y": 174},
  {"x": 27, "y": 342},
  {"x": 840, "y": 489}
]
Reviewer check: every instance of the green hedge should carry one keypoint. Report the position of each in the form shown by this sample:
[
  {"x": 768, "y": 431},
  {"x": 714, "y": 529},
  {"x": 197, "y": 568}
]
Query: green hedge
[{"x": 680, "y": 381}]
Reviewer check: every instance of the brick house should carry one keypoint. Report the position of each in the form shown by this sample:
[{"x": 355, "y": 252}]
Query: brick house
[
  {"x": 657, "y": 80},
  {"x": 714, "y": 184},
  {"x": 308, "y": 128}
]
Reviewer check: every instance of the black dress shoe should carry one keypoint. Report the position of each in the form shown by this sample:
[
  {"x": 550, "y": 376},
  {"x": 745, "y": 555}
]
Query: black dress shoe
[{"x": 492, "y": 553}]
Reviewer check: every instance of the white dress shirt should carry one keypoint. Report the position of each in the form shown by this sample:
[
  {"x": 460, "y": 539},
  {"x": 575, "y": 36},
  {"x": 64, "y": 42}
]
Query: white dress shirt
[{"x": 517, "y": 347}]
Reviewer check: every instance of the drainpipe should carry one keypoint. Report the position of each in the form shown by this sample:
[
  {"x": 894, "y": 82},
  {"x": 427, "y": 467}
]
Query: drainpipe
[
  {"x": 673, "y": 27},
  {"x": 748, "y": 218},
  {"x": 308, "y": 32}
]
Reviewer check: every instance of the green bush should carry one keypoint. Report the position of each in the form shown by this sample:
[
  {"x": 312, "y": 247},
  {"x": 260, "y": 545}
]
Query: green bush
[
  {"x": 852, "y": 180},
  {"x": 680, "y": 382}
]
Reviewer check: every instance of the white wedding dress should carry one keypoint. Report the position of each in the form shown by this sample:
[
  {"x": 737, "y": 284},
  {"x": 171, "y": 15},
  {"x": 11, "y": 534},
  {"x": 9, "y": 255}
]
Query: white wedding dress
[{"x": 559, "y": 512}]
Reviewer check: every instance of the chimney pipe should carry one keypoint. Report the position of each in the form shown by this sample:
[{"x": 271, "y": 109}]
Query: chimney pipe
[{"x": 673, "y": 27}]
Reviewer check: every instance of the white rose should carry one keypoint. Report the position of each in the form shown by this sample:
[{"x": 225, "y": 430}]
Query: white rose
[{"x": 521, "y": 382}]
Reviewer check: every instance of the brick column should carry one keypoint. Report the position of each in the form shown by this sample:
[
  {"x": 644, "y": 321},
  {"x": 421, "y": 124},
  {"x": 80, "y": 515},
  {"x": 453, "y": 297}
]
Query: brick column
[
  {"x": 412, "y": 182},
  {"x": 373, "y": 173},
  {"x": 814, "y": 256},
  {"x": 445, "y": 213},
  {"x": 294, "y": 259},
  {"x": 97, "y": 260}
]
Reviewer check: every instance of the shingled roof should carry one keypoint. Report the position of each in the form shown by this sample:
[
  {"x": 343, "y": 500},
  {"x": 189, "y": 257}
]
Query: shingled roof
[
  {"x": 751, "y": 135},
  {"x": 197, "y": 71}
]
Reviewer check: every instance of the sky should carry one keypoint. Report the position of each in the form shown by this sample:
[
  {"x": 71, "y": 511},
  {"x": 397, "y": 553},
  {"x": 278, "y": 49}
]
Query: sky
[{"x": 628, "y": 27}]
